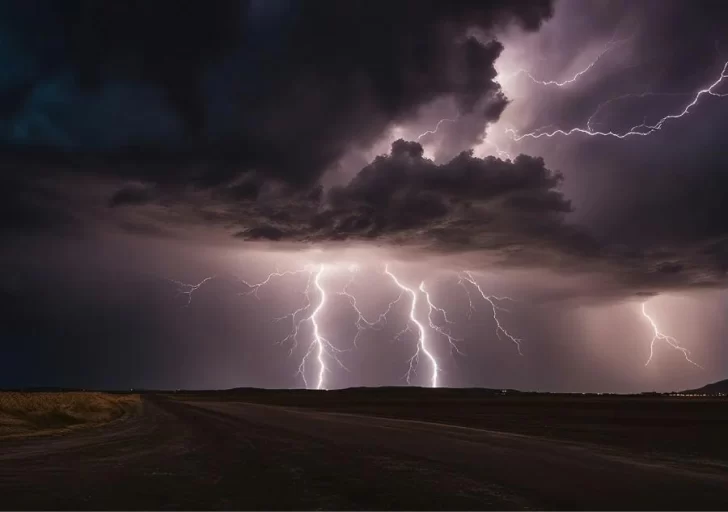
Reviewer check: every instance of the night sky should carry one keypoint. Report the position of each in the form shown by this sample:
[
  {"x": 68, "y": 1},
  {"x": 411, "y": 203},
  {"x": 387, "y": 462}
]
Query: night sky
[{"x": 558, "y": 153}]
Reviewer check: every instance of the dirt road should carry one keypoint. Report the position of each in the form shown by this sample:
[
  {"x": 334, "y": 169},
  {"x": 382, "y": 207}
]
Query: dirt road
[{"x": 230, "y": 455}]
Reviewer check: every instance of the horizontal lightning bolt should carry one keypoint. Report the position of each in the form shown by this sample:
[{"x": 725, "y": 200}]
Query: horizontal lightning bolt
[
  {"x": 640, "y": 130},
  {"x": 609, "y": 46},
  {"x": 657, "y": 335},
  {"x": 254, "y": 287},
  {"x": 601, "y": 106}
]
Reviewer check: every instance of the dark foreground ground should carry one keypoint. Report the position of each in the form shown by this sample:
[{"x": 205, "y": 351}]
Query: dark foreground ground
[{"x": 381, "y": 449}]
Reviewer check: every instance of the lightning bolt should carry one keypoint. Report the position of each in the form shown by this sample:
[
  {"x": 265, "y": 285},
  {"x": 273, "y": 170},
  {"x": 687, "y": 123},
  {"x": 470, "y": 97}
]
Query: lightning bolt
[
  {"x": 421, "y": 333},
  {"x": 320, "y": 345},
  {"x": 319, "y": 351},
  {"x": 362, "y": 323},
  {"x": 641, "y": 130},
  {"x": 254, "y": 287},
  {"x": 600, "y": 107},
  {"x": 491, "y": 299},
  {"x": 320, "y": 348},
  {"x": 189, "y": 289},
  {"x": 437, "y": 126},
  {"x": 432, "y": 309},
  {"x": 502, "y": 154},
  {"x": 659, "y": 336},
  {"x": 608, "y": 47}
]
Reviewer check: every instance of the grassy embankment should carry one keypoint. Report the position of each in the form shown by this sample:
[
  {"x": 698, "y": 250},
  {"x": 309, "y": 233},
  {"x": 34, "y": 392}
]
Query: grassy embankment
[{"x": 27, "y": 414}]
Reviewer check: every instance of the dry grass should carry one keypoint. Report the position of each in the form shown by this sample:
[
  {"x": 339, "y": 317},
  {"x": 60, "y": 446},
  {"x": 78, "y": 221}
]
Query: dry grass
[{"x": 24, "y": 414}]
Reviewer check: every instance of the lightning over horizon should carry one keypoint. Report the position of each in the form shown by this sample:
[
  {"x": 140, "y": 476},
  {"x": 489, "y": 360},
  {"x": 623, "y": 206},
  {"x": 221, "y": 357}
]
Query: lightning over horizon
[
  {"x": 329, "y": 194},
  {"x": 659, "y": 336},
  {"x": 432, "y": 308},
  {"x": 421, "y": 333},
  {"x": 362, "y": 323},
  {"x": 319, "y": 350}
]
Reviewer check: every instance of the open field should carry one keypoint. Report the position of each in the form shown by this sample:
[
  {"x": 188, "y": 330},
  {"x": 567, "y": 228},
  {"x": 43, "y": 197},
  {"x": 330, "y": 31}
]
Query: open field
[
  {"x": 24, "y": 414},
  {"x": 380, "y": 449},
  {"x": 658, "y": 426}
]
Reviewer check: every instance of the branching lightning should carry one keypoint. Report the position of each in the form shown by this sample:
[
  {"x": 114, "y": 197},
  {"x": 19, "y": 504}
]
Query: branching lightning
[
  {"x": 432, "y": 309},
  {"x": 659, "y": 336},
  {"x": 493, "y": 301},
  {"x": 254, "y": 287},
  {"x": 421, "y": 334},
  {"x": 320, "y": 347},
  {"x": 641, "y": 130},
  {"x": 320, "y": 352},
  {"x": 591, "y": 121},
  {"x": 189, "y": 289},
  {"x": 502, "y": 154},
  {"x": 608, "y": 47},
  {"x": 319, "y": 344},
  {"x": 362, "y": 323}
]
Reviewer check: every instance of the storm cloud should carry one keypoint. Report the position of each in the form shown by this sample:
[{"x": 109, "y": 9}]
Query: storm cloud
[{"x": 149, "y": 142}]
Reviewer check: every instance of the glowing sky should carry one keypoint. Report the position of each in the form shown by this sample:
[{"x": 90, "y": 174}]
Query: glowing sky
[{"x": 412, "y": 164}]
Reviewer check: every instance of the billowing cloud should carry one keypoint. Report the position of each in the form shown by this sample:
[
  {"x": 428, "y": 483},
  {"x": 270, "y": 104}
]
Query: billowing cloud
[
  {"x": 239, "y": 149},
  {"x": 277, "y": 88},
  {"x": 406, "y": 199}
]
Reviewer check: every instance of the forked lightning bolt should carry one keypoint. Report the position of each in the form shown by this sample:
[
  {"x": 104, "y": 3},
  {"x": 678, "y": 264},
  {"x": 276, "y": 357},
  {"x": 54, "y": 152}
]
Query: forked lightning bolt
[
  {"x": 189, "y": 289},
  {"x": 362, "y": 323},
  {"x": 439, "y": 329},
  {"x": 320, "y": 350},
  {"x": 491, "y": 299},
  {"x": 500, "y": 153},
  {"x": 591, "y": 121},
  {"x": 659, "y": 336},
  {"x": 641, "y": 130},
  {"x": 254, "y": 287},
  {"x": 609, "y": 46},
  {"x": 319, "y": 345},
  {"x": 421, "y": 333}
]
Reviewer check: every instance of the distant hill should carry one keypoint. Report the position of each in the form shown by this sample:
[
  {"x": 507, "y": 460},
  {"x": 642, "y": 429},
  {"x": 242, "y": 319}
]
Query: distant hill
[{"x": 711, "y": 389}]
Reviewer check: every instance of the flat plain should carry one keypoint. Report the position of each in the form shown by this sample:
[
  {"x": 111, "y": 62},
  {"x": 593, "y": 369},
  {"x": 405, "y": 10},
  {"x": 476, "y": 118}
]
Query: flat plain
[{"x": 387, "y": 448}]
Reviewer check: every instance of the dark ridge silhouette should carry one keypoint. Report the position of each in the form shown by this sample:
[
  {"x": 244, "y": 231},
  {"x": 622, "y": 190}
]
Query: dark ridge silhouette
[{"x": 711, "y": 389}]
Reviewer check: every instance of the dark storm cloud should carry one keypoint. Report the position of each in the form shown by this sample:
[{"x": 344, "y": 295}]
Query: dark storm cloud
[
  {"x": 513, "y": 209},
  {"x": 32, "y": 207},
  {"x": 132, "y": 194},
  {"x": 280, "y": 87},
  {"x": 226, "y": 118},
  {"x": 406, "y": 196},
  {"x": 654, "y": 205}
]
